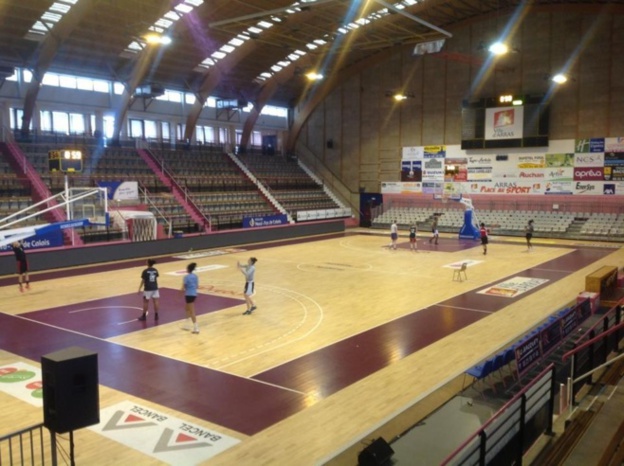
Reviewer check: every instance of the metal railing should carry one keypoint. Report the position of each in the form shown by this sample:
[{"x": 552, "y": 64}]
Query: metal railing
[
  {"x": 590, "y": 356},
  {"x": 511, "y": 431},
  {"x": 30, "y": 446}
]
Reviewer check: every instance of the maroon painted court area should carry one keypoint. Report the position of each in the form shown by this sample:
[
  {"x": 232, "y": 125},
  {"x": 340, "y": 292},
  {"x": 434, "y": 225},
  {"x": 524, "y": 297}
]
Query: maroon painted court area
[
  {"x": 243, "y": 405},
  {"x": 110, "y": 317},
  {"x": 251, "y": 405}
]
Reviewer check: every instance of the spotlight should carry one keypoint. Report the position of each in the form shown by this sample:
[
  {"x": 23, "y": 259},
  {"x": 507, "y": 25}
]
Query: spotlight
[
  {"x": 156, "y": 39},
  {"x": 560, "y": 78},
  {"x": 313, "y": 76},
  {"x": 498, "y": 48},
  {"x": 399, "y": 97}
]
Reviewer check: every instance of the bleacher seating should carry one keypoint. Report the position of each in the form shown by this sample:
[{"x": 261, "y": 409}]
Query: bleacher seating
[
  {"x": 510, "y": 222},
  {"x": 15, "y": 194}
]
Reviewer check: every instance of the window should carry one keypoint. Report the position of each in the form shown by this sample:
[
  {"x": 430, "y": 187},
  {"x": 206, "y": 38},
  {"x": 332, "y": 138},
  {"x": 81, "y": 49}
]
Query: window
[
  {"x": 136, "y": 128},
  {"x": 109, "y": 126},
  {"x": 165, "y": 131},
  {"x": 50, "y": 79},
  {"x": 76, "y": 123},
  {"x": 84, "y": 84},
  {"x": 46, "y": 120},
  {"x": 68, "y": 82},
  {"x": 189, "y": 98},
  {"x": 118, "y": 88},
  {"x": 60, "y": 122},
  {"x": 150, "y": 129},
  {"x": 100, "y": 85},
  {"x": 209, "y": 135},
  {"x": 256, "y": 138},
  {"x": 223, "y": 136},
  {"x": 27, "y": 76},
  {"x": 239, "y": 136},
  {"x": 180, "y": 129},
  {"x": 13, "y": 77}
]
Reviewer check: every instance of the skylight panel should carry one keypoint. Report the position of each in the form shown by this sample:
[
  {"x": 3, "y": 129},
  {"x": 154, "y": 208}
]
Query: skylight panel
[
  {"x": 276, "y": 68},
  {"x": 172, "y": 15},
  {"x": 62, "y": 8},
  {"x": 227, "y": 48},
  {"x": 156, "y": 29},
  {"x": 195, "y": 3},
  {"x": 320, "y": 41},
  {"x": 218, "y": 55},
  {"x": 254, "y": 30},
  {"x": 265, "y": 24},
  {"x": 283, "y": 63},
  {"x": 236, "y": 42},
  {"x": 163, "y": 23},
  {"x": 311, "y": 46},
  {"x": 183, "y": 8}
]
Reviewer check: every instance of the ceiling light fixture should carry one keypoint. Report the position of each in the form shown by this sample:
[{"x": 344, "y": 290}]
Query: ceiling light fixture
[
  {"x": 313, "y": 76},
  {"x": 560, "y": 78},
  {"x": 498, "y": 48}
]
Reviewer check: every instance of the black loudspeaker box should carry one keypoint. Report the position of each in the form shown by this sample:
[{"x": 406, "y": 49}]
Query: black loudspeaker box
[
  {"x": 377, "y": 453},
  {"x": 70, "y": 389},
  {"x": 330, "y": 143}
]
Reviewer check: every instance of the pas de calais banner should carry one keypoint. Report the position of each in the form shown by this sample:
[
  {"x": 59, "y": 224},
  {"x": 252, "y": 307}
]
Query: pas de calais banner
[
  {"x": 121, "y": 190},
  {"x": 51, "y": 239},
  {"x": 264, "y": 221},
  {"x": 504, "y": 123}
]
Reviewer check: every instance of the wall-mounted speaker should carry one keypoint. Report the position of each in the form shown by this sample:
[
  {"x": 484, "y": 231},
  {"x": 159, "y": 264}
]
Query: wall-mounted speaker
[
  {"x": 330, "y": 143},
  {"x": 70, "y": 389}
]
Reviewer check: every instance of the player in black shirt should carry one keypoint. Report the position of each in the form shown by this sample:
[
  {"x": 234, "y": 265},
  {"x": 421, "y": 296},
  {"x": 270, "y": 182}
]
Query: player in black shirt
[
  {"x": 149, "y": 284},
  {"x": 22, "y": 265}
]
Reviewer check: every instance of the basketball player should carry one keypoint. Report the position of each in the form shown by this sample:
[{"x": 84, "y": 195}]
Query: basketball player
[
  {"x": 190, "y": 284},
  {"x": 149, "y": 285},
  {"x": 412, "y": 237},
  {"x": 22, "y": 265},
  {"x": 434, "y": 229},
  {"x": 529, "y": 234},
  {"x": 484, "y": 237},
  {"x": 394, "y": 234},
  {"x": 249, "y": 271}
]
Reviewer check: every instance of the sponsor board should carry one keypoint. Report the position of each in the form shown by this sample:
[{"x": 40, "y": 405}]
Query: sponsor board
[
  {"x": 559, "y": 173},
  {"x": 479, "y": 174},
  {"x": 589, "y": 160},
  {"x": 22, "y": 381},
  {"x": 411, "y": 170},
  {"x": 613, "y": 159},
  {"x": 433, "y": 174},
  {"x": 504, "y": 123},
  {"x": 161, "y": 436},
  {"x": 614, "y": 144},
  {"x": 513, "y": 287},
  {"x": 216, "y": 252},
  {"x": 608, "y": 189},
  {"x": 589, "y": 145},
  {"x": 200, "y": 269},
  {"x": 457, "y": 265},
  {"x": 559, "y": 187},
  {"x": 51, "y": 239},
  {"x": 120, "y": 190},
  {"x": 531, "y": 175},
  {"x": 531, "y": 161},
  {"x": 528, "y": 352},
  {"x": 411, "y": 153},
  {"x": 481, "y": 160},
  {"x": 431, "y": 187},
  {"x": 614, "y": 173},
  {"x": 265, "y": 221},
  {"x": 398, "y": 187},
  {"x": 588, "y": 174},
  {"x": 587, "y": 187},
  {"x": 559, "y": 160},
  {"x": 434, "y": 152}
]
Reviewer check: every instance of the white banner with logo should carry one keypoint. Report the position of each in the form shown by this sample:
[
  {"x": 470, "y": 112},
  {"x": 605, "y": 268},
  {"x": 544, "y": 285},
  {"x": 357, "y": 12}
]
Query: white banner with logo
[{"x": 504, "y": 123}]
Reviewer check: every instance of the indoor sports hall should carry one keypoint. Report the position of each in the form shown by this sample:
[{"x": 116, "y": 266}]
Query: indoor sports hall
[{"x": 431, "y": 192}]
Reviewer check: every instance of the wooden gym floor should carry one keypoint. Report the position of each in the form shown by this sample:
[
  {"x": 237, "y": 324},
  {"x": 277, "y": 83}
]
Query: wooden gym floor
[{"x": 347, "y": 335}]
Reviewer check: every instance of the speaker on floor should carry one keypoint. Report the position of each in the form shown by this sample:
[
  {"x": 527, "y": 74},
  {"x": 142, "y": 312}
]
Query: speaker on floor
[
  {"x": 377, "y": 453},
  {"x": 70, "y": 389}
]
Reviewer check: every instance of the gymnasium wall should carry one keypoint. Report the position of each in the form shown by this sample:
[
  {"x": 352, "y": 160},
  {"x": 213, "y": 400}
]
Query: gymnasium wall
[
  {"x": 369, "y": 129},
  {"x": 73, "y": 257}
]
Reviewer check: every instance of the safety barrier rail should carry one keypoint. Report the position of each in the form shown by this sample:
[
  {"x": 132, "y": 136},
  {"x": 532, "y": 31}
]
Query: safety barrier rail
[{"x": 511, "y": 431}]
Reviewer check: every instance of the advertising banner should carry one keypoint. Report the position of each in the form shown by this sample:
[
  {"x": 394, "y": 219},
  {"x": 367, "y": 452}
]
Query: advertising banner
[
  {"x": 398, "y": 187},
  {"x": 559, "y": 160},
  {"x": 479, "y": 174},
  {"x": 455, "y": 169},
  {"x": 615, "y": 173},
  {"x": 528, "y": 352},
  {"x": 264, "y": 221},
  {"x": 413, "y": 153},
  {"x": 121, "y": 190},
  {"x": 589, "y": 145},
  {"x": 614, "y": 144},
  {"x": 504, "y": 123},
  {"x": 411, "y": 170},
  {"x": 531, "y": 161},
  {"x": 559, "y": 174},
  {"x": 589, "y": 160},
  {"x": 481, "y": 160},
  {"x": 51, "y": 239},
  {"x": 434, "y": 152},
  {"x": 588, "y": 174},
  {"x": 612, "y": 159},
  {"x": 588, "y": 187},
  {"x": 559, "y": 187}
]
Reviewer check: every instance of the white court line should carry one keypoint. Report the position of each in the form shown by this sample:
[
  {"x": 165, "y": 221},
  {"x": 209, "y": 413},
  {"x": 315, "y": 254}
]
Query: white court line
[
  {"x": 465, "y": 308},
  {"x": 102, "y": 307},
  {"x": 155, "y": 354}
]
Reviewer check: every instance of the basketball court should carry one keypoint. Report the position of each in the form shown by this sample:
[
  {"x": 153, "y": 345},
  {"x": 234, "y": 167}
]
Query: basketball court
[{"x": 348, "y": 334}]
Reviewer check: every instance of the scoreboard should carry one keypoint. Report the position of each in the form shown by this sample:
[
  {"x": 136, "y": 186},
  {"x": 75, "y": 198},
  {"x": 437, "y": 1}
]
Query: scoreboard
[{"x": 67, "y": 161}]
